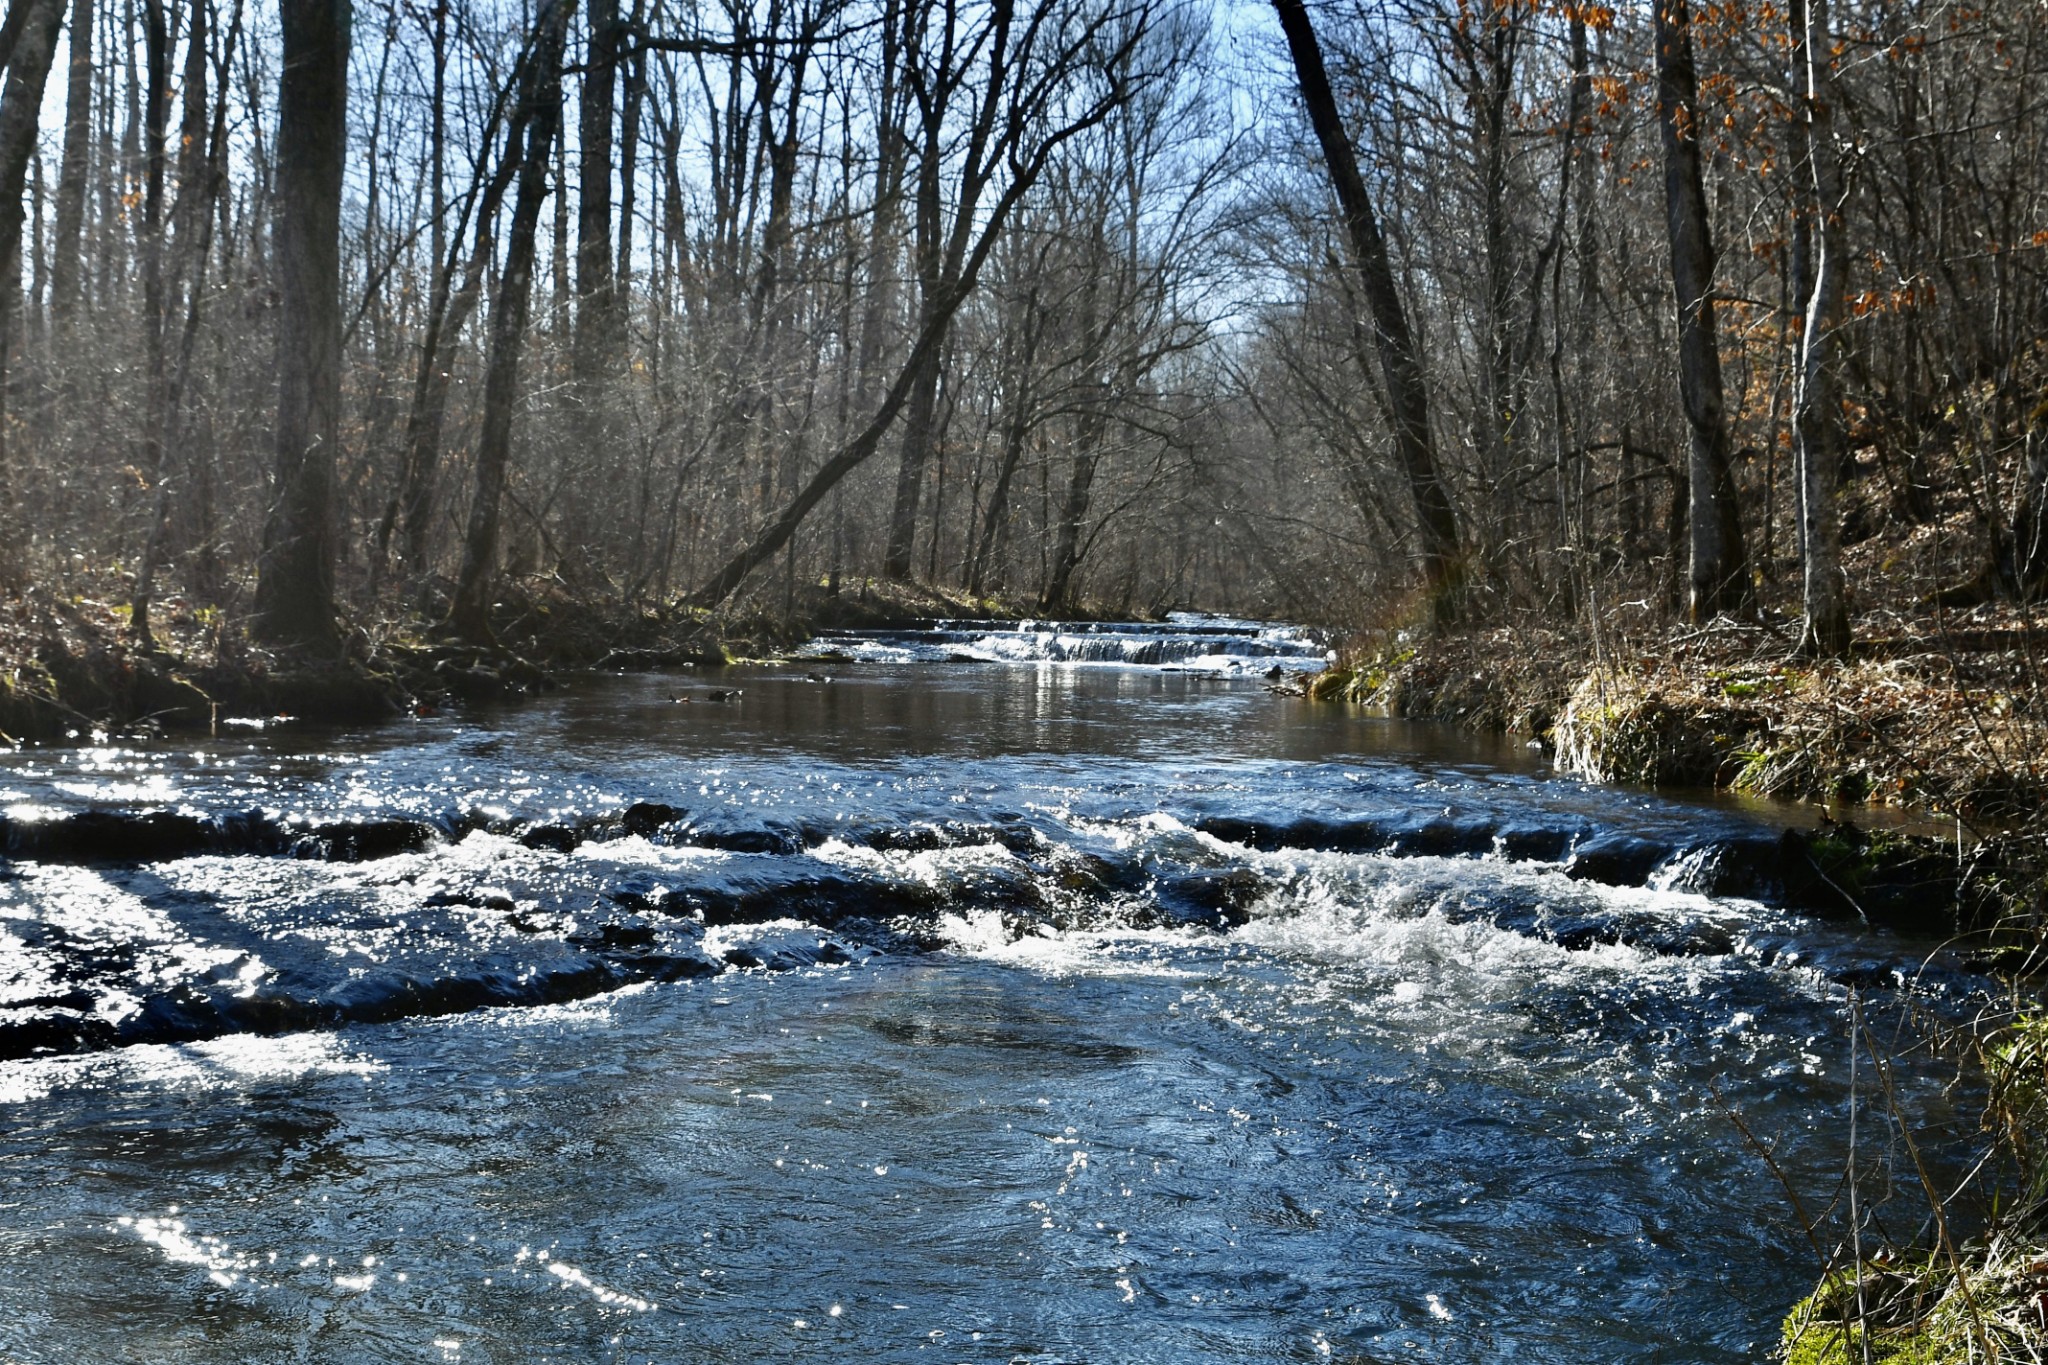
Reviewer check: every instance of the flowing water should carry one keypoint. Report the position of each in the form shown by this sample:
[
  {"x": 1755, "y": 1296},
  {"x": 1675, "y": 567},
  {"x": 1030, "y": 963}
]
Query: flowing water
[{"x": 1033, "y": 1012}]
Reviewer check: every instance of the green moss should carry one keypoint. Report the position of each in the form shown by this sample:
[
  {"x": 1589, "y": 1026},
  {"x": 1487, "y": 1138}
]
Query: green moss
[
  {"x": 1361, "y": 683},
  {"x": 1330, "y": 685},
  {"x": 1831, "y": 1343},
  {"x": 1820, "y": 1329},
  {"x": 1739, "y": 686},
  {"x": 1376, "y": 674},
  {"x": 1855, "y": 856},
  {"x": 1834, "y": 1344}
]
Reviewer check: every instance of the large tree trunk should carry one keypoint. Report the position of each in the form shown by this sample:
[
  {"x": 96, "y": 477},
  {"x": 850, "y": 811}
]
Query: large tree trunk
[
  {"x": 193, "y": 218},
  {"x": 1817, "y": 426},
  {"x": 1400, "y": 363},
  {"x": 919, "y": 418},
  {"x": 156, "y": 85},
  {"x": 986, "y": 565},
  {"x": 920, "y": 423},
  {"x": 295, "y": 582},
  {"x": 635, "y": 82},
  {"x": 31, "y": 38},
  {"x": 511, "y": 303},
  {"x": 596, "y": 304},
  {"x": 1056, "y": 594},
  {"x": 592, "y": 461},
  {"x": 66, "y": 260},
  {"x": 1719, "y": 575}
]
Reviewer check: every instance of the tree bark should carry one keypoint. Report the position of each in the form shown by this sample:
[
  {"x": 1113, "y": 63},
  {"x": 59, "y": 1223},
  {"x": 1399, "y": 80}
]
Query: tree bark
[
  {"x": 511, "y": 302},
  {"x": 33, "y": 46},
  {"x": 919, "y": 418},
  {"x": 1401, "y": 368},
  {"x": 1817, "y": 405},
  {"x": 1718, "y": 577},
  {"x": 592, "y": 460},
  {"x": 1056, "y": 594},
  {"x": 160, "y": 293},
  {"x": 295, "y": 581},
  {"x": 66, "y": 259},
  {"x": 595, "y": 300},
  {"x": 986, "y": 566}
]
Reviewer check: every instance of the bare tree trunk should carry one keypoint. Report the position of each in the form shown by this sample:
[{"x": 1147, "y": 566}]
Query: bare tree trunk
[
  {"x": 629, "y": 162},
  {"x": 156, "y": 82},
  {"x": 448, "y": 310},
  {"x": 193, "y": 217},
  {"x": 11, "y": 30},
  {"x": 1066, "y": 555},
  {"x": 1400, "y": 363},
  {"x": 592, "y": 460},
  {"x": 67, "y": 263},
  {"x": 295, "y": 582},
  {"x": 511, "y": 303},
  {"x": 919, "y": 424},
  {"x": 1719, "y": 574},
  {"x": 34, "y": 43},
  {"x": 1056, "y": 594},
  {"x": 986, "y": 567},
  {"x": 882, "y": 220},
  {"x": 1818, "y": 423},
  {"x": 920, "y": 414},
  {"x": 596, "y": 304}
]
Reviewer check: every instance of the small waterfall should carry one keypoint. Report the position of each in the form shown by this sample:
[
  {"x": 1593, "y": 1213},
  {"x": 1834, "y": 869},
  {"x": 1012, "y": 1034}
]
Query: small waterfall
[{"x": 1190, "y": 641}]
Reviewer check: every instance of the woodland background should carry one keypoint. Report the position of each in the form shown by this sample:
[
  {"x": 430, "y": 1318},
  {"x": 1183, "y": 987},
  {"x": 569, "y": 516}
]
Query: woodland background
[{"x": 1050, "y": 304}]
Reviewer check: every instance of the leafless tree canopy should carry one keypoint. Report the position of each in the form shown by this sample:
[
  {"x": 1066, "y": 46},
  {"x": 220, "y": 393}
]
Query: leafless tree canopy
[{"x": 1339, "y": 310}]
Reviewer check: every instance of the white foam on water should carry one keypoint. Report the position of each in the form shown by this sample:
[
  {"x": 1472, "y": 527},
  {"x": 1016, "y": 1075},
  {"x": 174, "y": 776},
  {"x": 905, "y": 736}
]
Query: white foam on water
[
  {"x": 223, "y": 1063},
  {"x": 934, "y": 867},
  {"x": 1390, "y": 910},
  {"x": 1151, "y": 827},
  {"x": 983, "y": 935},
  {"x": 720, "y": 939},
  {"x": 637, "y": 852},
  {"x": 1187, "y": 642}
]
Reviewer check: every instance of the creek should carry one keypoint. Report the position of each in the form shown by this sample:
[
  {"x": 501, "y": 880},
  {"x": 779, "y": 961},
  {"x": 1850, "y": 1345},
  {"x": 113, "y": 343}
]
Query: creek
[{"x": 1095, "y": 1004}]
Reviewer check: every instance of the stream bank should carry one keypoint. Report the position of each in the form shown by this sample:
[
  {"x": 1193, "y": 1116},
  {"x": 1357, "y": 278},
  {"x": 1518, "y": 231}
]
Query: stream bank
[
  {"x": 1946, "y": 721},
  {"x": 70, "y": 668}
]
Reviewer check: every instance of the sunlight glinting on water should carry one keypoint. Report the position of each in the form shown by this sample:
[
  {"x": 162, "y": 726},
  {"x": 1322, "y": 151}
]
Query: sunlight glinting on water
[{"x": 920, "y": 1015}]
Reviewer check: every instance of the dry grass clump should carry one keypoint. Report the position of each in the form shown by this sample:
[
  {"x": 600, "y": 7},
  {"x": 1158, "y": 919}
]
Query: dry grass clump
[
  {"x": 1992, "y": 1308},
  {"x": 1510, "y": 679},
  {"x": 1957, "y": 734}
]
